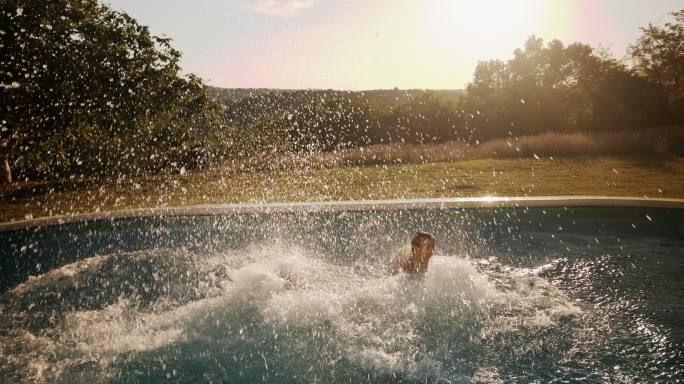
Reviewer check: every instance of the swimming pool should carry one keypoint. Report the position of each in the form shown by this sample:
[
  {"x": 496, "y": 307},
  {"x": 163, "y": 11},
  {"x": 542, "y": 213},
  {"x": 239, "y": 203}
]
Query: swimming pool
[{"x": 519, "y": 291}]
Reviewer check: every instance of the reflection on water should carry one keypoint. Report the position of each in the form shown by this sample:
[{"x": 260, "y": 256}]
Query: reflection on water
[{"x": 308, "y": 298}]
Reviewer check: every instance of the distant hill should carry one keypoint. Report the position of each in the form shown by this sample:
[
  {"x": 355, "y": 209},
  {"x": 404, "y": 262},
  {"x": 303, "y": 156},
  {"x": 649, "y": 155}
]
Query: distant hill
[
  {"x": 393, "y": 96},
  {"x": 237, "y": 94},
  {"x": 384, "y": 96}
]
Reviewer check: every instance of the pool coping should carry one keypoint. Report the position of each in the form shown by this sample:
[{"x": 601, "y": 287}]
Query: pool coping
[{"x": 354, "y": 205}]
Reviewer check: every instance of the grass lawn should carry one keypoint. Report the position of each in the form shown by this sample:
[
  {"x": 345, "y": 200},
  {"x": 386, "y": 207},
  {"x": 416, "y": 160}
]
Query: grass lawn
[{"x": 610, "y": 176}]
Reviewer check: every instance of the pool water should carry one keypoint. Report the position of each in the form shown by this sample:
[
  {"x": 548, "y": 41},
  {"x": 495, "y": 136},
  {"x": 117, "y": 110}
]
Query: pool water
[{"x": 512, "y": 295}]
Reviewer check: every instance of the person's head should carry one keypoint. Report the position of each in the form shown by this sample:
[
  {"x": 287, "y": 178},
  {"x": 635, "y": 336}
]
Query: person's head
[{"x": 422, "y": 245}]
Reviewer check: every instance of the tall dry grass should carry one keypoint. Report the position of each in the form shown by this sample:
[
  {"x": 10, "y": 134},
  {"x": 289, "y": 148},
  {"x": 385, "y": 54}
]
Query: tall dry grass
[{"x": 668, "y": 140}]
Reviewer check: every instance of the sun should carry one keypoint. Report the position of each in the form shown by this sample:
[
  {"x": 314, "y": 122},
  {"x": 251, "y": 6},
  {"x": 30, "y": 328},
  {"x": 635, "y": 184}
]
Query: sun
[{"x": 483, "y": 28}]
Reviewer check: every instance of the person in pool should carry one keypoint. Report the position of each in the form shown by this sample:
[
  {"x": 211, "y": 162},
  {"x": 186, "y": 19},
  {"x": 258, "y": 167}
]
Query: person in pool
[{"x": 422, "y": 248}]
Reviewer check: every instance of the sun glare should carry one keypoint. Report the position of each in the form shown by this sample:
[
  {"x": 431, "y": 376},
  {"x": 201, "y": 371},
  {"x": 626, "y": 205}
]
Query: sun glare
[
  {"x": 484, "y": 29},
  {"x": 485, "y": 17}
]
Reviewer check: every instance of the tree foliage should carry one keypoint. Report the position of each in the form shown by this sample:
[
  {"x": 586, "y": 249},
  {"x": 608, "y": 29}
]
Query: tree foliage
[
  {"x": 554, "y": 87},
  {"x": 79, "y": 80},
  {"x": 659, "y": 55}
]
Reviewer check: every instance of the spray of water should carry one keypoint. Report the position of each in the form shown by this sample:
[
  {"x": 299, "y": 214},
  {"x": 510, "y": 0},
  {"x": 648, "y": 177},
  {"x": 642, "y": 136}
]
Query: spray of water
[{"x": 272, "y": 311}]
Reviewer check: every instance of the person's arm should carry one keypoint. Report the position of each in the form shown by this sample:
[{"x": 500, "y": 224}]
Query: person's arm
[
  {"x": 401, "y": 262},
  {"x": 396, "y": 265}
]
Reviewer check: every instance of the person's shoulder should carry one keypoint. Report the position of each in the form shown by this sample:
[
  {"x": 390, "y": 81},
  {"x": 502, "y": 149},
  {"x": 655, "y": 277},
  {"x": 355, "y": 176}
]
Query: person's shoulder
[{"x": 405, "y": 251}]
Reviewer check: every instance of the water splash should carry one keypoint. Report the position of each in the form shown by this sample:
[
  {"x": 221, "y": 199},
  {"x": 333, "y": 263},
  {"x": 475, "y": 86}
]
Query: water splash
[{"x": 266, "y": 311}]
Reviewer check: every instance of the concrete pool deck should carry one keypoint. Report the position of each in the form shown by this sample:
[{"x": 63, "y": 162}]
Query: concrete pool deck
[{"x": 360, "y": 205}]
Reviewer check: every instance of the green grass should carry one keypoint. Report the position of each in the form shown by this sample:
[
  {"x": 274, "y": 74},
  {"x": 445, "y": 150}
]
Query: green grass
[{"x": 651, "y": 176}]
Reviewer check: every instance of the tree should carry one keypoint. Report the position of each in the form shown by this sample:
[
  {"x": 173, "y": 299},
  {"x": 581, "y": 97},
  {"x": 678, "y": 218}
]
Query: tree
[
  {"x": 554, "y": 87},
  {"x": 83, "y": 87},
  {"x": 524, "y": 95},
  {"x": 659, "y": 56}
]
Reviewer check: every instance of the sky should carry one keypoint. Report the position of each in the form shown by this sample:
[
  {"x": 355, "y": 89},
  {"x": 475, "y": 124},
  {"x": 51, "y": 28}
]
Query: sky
[{"x": 377, "y": 44}]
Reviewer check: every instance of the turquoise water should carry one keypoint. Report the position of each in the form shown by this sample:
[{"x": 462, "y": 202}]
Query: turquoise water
[{"x": 513, "y": 295}]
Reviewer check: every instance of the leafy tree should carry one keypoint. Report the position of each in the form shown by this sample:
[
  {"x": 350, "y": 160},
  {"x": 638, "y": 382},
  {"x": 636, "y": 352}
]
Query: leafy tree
[
  {"x": 659, "y": 55},
  {"x": 85, "y": 88},
  {"x": 554, "y": 87}
]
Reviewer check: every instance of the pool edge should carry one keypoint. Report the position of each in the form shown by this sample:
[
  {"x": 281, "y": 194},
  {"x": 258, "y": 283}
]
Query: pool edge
[{"x": 354, "y": 205}]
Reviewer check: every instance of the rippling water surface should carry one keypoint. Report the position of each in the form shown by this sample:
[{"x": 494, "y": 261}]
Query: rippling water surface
[{"x": 513, "y": 294}]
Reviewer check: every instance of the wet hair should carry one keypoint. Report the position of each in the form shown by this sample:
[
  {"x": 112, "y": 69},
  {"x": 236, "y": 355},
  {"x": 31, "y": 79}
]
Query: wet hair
[{"x": 420, "y": 238}]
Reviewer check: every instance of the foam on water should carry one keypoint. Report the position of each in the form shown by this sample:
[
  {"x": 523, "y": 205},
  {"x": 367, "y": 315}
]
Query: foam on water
[{"x": 276, "y": 309}]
